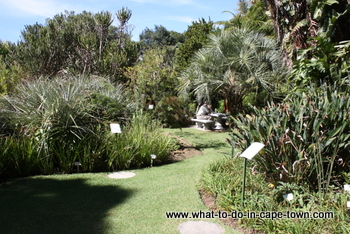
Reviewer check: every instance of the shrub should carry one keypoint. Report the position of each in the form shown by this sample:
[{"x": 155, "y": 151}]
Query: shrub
[
  {"x": 139, "y": 140},
  {"x": 18, "y": 157},
  {"x": 48, "y": 125},
  {"x": 172, "y": 112},
  {"x": 306, "y": 137}
]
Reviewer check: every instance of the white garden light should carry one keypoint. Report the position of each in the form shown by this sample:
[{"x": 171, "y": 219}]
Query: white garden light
[{"x": 153, "y": 156}]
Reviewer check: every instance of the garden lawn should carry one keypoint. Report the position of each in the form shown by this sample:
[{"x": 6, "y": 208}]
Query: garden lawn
[{"x": 95, "y": 203}]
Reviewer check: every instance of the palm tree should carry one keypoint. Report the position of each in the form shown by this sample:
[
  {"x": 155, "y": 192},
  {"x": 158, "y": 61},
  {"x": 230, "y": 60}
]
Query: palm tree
[
  {"x": 233, "y": 64},
  {"x": 254, "y": 18}
]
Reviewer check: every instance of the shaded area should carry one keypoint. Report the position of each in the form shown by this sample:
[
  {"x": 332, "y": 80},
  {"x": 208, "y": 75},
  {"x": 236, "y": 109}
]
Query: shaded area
[{"x": 46, "y": 205}]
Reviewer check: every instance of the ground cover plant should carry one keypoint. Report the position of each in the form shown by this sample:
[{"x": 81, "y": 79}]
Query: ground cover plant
[{"x": 223, "y": 181}]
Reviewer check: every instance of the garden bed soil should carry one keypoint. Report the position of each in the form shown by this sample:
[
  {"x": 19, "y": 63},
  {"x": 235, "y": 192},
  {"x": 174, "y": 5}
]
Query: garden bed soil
[{"x": 186, "y": 150}]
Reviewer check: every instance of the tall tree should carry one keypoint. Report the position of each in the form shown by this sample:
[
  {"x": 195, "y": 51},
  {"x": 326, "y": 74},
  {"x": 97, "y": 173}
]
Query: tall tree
[
  {"x": 196, "y": 36},
  {"x": 243, "y": 6},
  {"x": 159, "y": 37},
  {"x": 103, "y": 21},
  {"x": 78, "y": 43},
  {"x": 123, "y": 17},
  {"x": 254, "y": 19}
]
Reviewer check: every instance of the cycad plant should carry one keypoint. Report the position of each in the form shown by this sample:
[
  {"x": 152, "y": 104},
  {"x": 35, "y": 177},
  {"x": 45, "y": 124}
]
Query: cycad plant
[{"x": 306, "y": 137}]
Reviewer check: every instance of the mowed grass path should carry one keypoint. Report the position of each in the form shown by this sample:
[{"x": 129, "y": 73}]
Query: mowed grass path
[{"x": 95, "y": 203}]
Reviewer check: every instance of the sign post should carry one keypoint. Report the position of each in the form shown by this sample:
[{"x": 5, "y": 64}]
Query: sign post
[{"x": 249, "y": 153}]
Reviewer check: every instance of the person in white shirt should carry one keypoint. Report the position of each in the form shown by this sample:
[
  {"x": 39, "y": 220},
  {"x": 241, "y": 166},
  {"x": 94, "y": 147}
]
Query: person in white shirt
[{"x": 204, "y": 111}]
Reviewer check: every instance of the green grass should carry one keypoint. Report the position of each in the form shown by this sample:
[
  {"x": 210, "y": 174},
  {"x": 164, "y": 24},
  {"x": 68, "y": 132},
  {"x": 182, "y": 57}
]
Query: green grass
[{"x": 95, "y": 203}]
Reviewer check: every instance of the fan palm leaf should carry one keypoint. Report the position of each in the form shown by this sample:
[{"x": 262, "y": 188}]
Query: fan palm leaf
[{"x": 232, "y": 64}]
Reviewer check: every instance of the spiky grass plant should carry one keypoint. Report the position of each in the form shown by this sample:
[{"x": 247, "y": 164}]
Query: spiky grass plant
[
  {"x": 65, "y": 119},
  {"x": 18, "y": 157}
]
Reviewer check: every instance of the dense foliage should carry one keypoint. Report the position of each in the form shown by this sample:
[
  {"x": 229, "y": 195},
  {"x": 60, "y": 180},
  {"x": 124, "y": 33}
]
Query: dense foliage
[
  {"x": 306, "y": 135},
  {"x": 55, "y": 108},
  {"x": 83, "y": 43},
  {"x": 306, "y": 138},
  {"x": 196, "y": 37},
  {"x": 50, "y": 124},
  {"x": 160, "y": 37}
]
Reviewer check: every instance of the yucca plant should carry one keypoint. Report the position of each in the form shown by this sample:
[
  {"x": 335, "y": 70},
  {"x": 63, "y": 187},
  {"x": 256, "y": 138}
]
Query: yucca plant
[{"x": 306, "y": 137}]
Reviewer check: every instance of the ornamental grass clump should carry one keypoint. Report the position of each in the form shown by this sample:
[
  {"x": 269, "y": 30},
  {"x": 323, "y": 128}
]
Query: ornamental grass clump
[
  {"x": 59, "y": 121},
  {"x": 141, "y": 138}
]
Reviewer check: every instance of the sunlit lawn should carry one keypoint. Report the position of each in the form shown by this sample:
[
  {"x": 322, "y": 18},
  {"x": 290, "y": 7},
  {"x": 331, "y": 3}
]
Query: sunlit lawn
[{"x": 95, "y": 203}]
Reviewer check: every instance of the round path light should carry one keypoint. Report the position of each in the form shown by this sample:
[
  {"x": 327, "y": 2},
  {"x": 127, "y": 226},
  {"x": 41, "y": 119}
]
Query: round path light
[
  {"x": 200, "y": 227},
  {"x": 121, "y": 175}
]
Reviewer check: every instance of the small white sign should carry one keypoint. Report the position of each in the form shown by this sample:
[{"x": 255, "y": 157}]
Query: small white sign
[
  {"x": 252, "y": 150},
  {"x": 288, "y": 196},
  {"x": 150, "y": 107},
  {"x": 115, "y": 128}
]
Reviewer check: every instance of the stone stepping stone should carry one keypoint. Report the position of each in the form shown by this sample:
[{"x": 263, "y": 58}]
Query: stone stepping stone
[
  {"x": 200, "y": 227},
  {"x": 121, "y": 175}
]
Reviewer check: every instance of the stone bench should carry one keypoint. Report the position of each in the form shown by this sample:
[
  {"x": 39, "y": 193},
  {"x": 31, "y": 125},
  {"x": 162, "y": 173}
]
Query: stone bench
[{"x": 207, "y": 124}]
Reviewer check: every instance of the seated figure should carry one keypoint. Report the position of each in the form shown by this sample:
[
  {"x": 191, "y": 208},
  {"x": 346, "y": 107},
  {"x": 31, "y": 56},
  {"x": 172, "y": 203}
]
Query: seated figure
[{"x": 204, "y": 111}]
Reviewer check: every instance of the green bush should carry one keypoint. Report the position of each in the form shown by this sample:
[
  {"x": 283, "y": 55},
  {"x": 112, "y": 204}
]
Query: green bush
[
  {"x": 18, "y": 157},
  {"x": 139, "y": 140},
  {"x": 172, "y": 112},
  {"x": 306, "y": 137}
]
